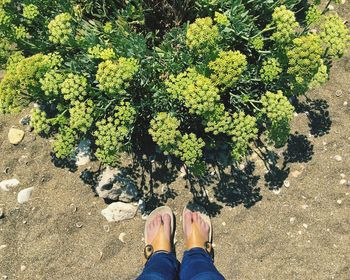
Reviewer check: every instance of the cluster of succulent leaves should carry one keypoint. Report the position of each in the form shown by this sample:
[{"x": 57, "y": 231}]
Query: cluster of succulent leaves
[{"x": 188, "y": 75}]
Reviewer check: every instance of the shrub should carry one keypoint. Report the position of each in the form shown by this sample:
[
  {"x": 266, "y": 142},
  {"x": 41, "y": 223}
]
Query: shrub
[{"x": 209, "y": 73}]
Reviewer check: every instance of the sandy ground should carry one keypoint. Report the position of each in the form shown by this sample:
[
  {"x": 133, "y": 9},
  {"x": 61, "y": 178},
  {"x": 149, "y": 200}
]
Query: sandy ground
[{"x": 263, "y": 228}]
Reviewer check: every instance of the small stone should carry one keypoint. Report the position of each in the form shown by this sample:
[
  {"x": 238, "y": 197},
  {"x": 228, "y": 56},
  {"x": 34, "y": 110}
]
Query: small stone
[
  {"x": 4, "y": 277},
  {"x": 276, "y": 191},
  {"x": 342, "y": 175},
  {"x": 339, "y": 201},
  {"x": 119, "y": 211},
  {"x": 331, "y": 7},
  {"x": 223, "y": 223},
  {"x": 295, "y": 114},
  {"x": 339, "y": 93},
  {"x": 292, "y": 220},
  {"x": 286, "y": 183},
  {"x": 345, "y": 103},
  {"x": 304, "y": 206},
  {"x": 1, "y": 213},
  {"x": 24, "y": 195},
  {"x": 338, "y": 158},
  {"x": 83, "y": 152},
  {"x": 305, "y": 226},
  {"x": 296, "y": 173},
  {"x": 25, "y": 120},
  {"x": 15, "y": 136},
  {"x": 23, "y": 267},
  {"x": 183, "y": 172},
  {"x": 4, "y": 185},
  {"x": 3, "y": 246},
  {"x": 79, "y": 225},
  {"x": 106, "y": 228},
  {"x": 342, "y": 182},
  {"x": 121, "y": 237}
]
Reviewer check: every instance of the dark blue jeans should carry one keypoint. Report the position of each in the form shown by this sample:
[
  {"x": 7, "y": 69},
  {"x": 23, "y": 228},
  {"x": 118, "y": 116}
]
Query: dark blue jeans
[{"x": 196, "y": 265}]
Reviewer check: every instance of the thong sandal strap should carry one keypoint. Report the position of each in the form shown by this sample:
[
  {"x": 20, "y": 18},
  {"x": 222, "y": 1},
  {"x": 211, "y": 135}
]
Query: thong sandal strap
[
  {"x": 148, "y": 251},
  {"x": 209, "y": 249}
]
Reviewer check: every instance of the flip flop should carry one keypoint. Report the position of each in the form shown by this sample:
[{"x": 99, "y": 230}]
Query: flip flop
[
  {"x": 148, "y": 250},
  {"x": 204, "y": 215}
]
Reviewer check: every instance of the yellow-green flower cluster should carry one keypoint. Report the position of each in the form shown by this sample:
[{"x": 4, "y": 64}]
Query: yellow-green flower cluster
[
  {"x": 304, "y": 57},
  {"x": 335, "y": 35},
  {"x": 51, "y": 82},
  {"x": 113, "y": 77},
  {"x": 202, "y": 35},
  {"x": 257, "y": 43},
  {"x": 189, "y": 149},
  {"x": 285, "y": 23},
  {"x": 112, "y": 132},
  {"x": 221, "y": 19},
  {"x": 5, "y": 49},
  {"x": 74, "y": 87},
  {"x": 30, "y": 11},
  {"x": 164, "y": 132},
  {"x": 108, "y": 27},
  {"x": 219, "y": 121},
  {"x": 244, "y": 130},
  {"x": 320, "y": 77},
  {"x": 313, "y": 15},
  {"x": 99, "y": 52},
  {"x": 20, "y": 32},
  {"x": 4, "y": 17},
  {"x": 227, "y": 68},
  {"x": 276, "y": 106},
  {"x": 65, "y": 143},
  {"x": 39, "y": 121},
  {"x": 279, "y": 112},
  {"x": 196, "y": 91},
  {"x": 60, "y": 28},
  {"x": 81, "y": 115},
  {"x": 270, "y": 70}
]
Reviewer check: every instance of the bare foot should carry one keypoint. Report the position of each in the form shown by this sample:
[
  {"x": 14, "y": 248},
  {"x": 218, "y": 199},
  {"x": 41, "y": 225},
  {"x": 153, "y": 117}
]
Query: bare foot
[
  {"x": 196, "y": 230},
  {"x": 159, "y": 233}
]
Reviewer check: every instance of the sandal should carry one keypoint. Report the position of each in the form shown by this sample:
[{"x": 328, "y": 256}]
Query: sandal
[
  {"x": 149, "y": 250},
  {"x": 207, "y": 246}
]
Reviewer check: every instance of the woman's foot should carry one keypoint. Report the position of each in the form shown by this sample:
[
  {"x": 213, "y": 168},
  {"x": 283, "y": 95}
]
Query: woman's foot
[
  {"x": 196, "y": 230},
  {"x": 159, "y": 233}
]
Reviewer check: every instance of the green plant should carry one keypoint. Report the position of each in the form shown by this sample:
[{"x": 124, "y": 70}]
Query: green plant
[{"x": 207, "y": 73}]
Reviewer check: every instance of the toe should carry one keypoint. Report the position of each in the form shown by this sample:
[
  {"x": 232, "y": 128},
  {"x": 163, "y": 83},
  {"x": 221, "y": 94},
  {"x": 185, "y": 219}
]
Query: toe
[
  {"x": 195, "y": 217},
  {"x": 167, "y": 225},
  {"x": 187, "y": 222}
]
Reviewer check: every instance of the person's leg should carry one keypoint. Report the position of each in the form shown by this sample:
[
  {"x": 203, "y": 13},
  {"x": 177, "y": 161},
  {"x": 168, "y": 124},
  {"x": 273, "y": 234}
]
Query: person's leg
[
  {"x": 197, "y": 264},
  {"x": 161, "y": 261}
]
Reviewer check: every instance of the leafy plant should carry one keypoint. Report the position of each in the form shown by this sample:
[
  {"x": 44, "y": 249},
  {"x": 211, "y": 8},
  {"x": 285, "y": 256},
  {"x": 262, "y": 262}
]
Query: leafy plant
[{"x": 190, "y": 75}]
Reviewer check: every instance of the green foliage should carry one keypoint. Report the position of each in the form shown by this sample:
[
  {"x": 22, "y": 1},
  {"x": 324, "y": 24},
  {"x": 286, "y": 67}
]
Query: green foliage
[{"x": 188, "y": 75}]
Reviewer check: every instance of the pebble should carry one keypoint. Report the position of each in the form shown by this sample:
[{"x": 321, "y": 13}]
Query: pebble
[
  {"x": 338, "y": 158},
  {"x": 83, "y": 153},
  {"x": 23, "y": 267},
  {"x": 304, "y": 206},
  {"x": 79, "y": 225},
  {"x": 305, "y": 226},
  {"x": 119, "y": 211},
  {"x": 24, "y": 195},
  {"x": 345, "y": 103},
  {"x": 276, "y": 191},
  {"x": 4, "y": 185},
  {"x": 342, "y": 181},
  {"x": 342, "y": 175},
  {"x": 339, "y": 93},
  {"x": 25, "y": 120},
  {"x": 106, "y": 228},
  {"x": 15, "y": 136},
  {"x": 1, "y": 213},
  {"x": 286, "y": 183},
  {"x": 121, "y": 237},
  {"x": 292, "y": 220},
  {"x": 223, "y": 223},
  {"x": 3, "y": 246},
  {"x": 339, "y": 201}
]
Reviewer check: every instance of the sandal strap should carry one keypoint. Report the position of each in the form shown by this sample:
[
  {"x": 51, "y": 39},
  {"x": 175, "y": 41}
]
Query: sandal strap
[
  {"x": 209, "y": 249},
  {"x": 148, "y": 251}
]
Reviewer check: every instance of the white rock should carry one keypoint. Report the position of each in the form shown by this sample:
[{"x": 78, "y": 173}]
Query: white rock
[
  {"x": 342, "y": 175},
  {"x": 276, "y": 191},
  {"x": 15, "y": 136},
  {"x": 121, "y": 237},
  {"x": 305, "y": 226},
  {"x": 292, "y": 220},
  {"x": 183, "y": 172},
  {"x": 4, "y": 185},
  {"x": 339, "y": 201},
  {"x": 286, "y": 183},
  {"x": 296, "y": 173},
  {"x": 338, "y": 158},
  {"x": 1, "y": 213},
  {"x": 345, "y": 103},
  {"x": 223, "y": 223},
  {"x": 304, "y": 206},
  {"x": 23, "y": 267},
  {"x": 83, "y": 153},
  {"x": 24, "y": 195},
  {"x": 115, "y": 186},
  {"x": 119, "y": 211},
  {"x": 3, "y": 246},
  {"x": 342, "y": 182}
]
